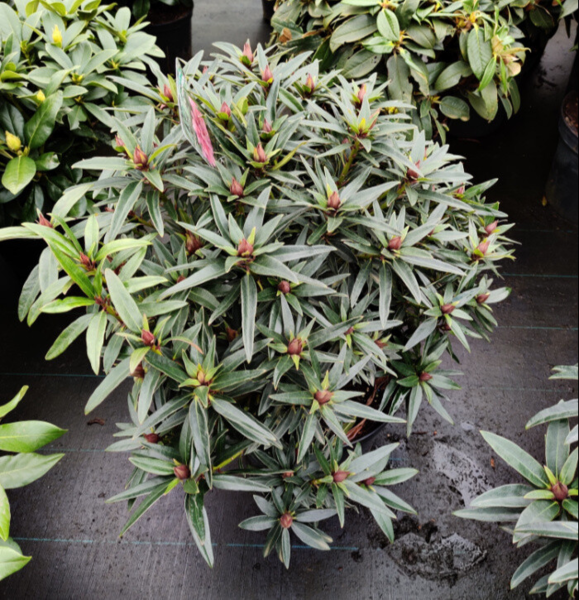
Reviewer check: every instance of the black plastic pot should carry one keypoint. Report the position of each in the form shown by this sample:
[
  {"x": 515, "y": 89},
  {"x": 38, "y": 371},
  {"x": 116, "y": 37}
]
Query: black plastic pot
[
  {"x": 268, "y": 9},
  {"x": 563, "y": 185},
  {"x": 368, "y": 439},
  {"x": 21, "y": 256},
  {"x": 172, "y": 28}
]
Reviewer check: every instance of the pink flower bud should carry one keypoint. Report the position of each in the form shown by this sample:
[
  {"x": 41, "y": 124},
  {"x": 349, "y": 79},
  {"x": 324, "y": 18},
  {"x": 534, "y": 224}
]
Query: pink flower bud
[
  {"x": 370, "y": 481},
  {"x": 42, "y": 220},
  {"x": 425, "y": 377},
  {"x": 140, "y": 160},
  {"x": 286, "y": 521},
  {"x": 413, "y": 174},
  {"x": 323, "y": 397},
  {"x": 267, "y": 128},
  {"x": 334, "y": 202},
  {"x": 259, "y": 155},
  {"x": 267, "y": 75},
  {"x": 192, "y": 243},
  {"x": 295, "y": 348},
  {"x": 284, "y": 287},
  {"x": 248, "y": 54},
  {"x": 236, "y": 188},
  {"x": 484, "y": 247},
  {"x": 182, "y": 472},
  {"x": 168, "y": 93},
  {"x": 362, "y": 93},
  {"x": 225, "y": 110},
  {"x": 148, "y": 338},
  {"x": 341, "y": 476},
  {"x": 490, "y": 229},
  {"x": 482, "y": 298},
  {"x": 245, "y": 249},
  {"x": 311, "y": 84},
  {"x": 395, "y": 244},
  {"x": 561, "y": 491},
  {"x": 447, "y": 309},
  {"x": 119, "y": 142}
]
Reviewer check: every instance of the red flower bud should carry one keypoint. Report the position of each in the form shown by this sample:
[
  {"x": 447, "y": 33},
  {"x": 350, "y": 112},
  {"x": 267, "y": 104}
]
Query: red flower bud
[
  {"x": 381, "y": 344},
  {"x": 362, "y": 93},
  {"x": 42, "y": 220},
  {"x": 284, "y": 287},
  {"x": 140, "y": 160},
  {"x": 447, "y": 309},
  {"x": 182, "y": 472},
  {"x": 192, "y": 243},
  {"x": 139, "y": 372},
  {"x": 245, "y": 249},
  {"x": 482, "y": 298},
  {"x": 490, "y": 229},
  {"x": 295, "y": 348},
  {"x": 323, "y": 397},
  {"x": 350, "y": 331},
  {"x": 561, "y": 491},
  {"x": 168, "y": 93},
  {"x": 395, "y": 244},
  {"x": 461, "y": 191},
  {"x": 425, "y": 377},
  {"x": 370, "y": 481},
  {"x": 413, "y": 174},
  {"x": 286, "y": 521},
  {"x": 248, "y": 53},
  {"x": 236, "y": 188},
  {"x": 341, "y": 476},
  {"x": 152, "y": 438},
  {"x": 181, "y": 278},
  {"x": 232, "y": 334},
  {"x": 148, "y": 338},
  {"x": 311, "y": 84},
  {"x": 288, "y": 474},
  {"x": 225, "y": 110},
  {"x": 267, "y": 75},
  {"x": 267, "y": 128},
  {"x": 334, "y": 201},
  {"x": 259, "y": 155}
]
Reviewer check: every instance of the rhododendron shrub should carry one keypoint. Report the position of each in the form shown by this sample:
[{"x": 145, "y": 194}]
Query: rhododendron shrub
[{"x": 281, "y": 262}]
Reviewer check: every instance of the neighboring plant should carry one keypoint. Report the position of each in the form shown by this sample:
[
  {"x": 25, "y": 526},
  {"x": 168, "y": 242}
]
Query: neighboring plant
[
  {"x": 141, "y": 9},
  {"x": 447, "y": 57},
  {"x": 56, "y": 94},
  {"x": 19, "y": 470},
  {"x": 281, "y": 264},
  {"x": 545, "y": 507}
]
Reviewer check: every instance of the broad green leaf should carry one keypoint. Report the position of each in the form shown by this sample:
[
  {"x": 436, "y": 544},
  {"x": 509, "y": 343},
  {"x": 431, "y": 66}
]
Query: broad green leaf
[
  {"x": 68, "y": 336},
  {"x": 508, "y": 496},
  {"x": 353, "y": 30},
  {"x": 563, "y": 410},
  {"x": 41, "y": 125},
  {"x": 23, "y": 469},
  {"x": 310, "y": 536},
  {"x": 123, "y": 302},
  {"x": 19, "y": 172},
  {"x": 535, "y": 562},
  {"x": 95, "y": 337},
  {"x": 28, "y": 436},
  {"x": 480, "y": 52},
  {"x": 127, "y": 200},
  {"x": 4, "y": 515},
  {"x": 113, "y": 380},
  {"x": 10, "y": 406},
  {"x": 11, "y": 561}
]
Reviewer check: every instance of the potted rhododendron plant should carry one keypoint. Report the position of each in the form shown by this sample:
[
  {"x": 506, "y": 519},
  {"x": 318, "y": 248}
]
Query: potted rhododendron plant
[{"x": 280, "y": 260}]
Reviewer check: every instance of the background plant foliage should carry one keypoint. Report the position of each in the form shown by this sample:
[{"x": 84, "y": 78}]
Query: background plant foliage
[
  {"x": 278, "y": 261},
  {"x": 544, "y": 508},
  {"x": 446, "y": 57},
  {"x": 19, "y": 470},
  {"x": 56, "y": 59}
]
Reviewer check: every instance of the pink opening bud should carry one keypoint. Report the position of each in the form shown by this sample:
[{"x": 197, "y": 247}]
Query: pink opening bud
[
  {"x": 561, "y": 491},
  {"x": 490, "y": 229},
  {"x": 182, "y": 472},
  {"x": 267, "y": 128},
  {"x": 461, "y": 191},
  {"x": 413, "y": 174},
  {"x": 311, "y": 84},
  {"x": 248, "y": 53},
  {"x": 295, "y": 348},
  {"x": 395, "y": 244},
  {"x": 259, "y": 155},
  {"x": 370, "y": 481},
  {"x": 42, "y": 220},
  {"x": 119, "y": 142},
  {"x": 267, "y": 75},
  {"x": 286, "y": 521},
  {"x": 140, "y": 160},
  {"x": 447, "y": 309},
  {"x": 225, "y": 110},
  {"x": 334, "y": 202},
  {"x": 362, "y": 93},
  {"x": 284, "y": 287},
  {"x": 152, "y": 438},
  {"x": 245, "y": 249},
  {"x": 323, "y": 397},
  {"x": 148, "y": 338},
  {"x": 236, "y": 188},
  {"x": 168, "y": 93},
  {"x": 482, "y": 298},
  {"x": 425, "y": 377},
  {"x": 341, "y": 476}
]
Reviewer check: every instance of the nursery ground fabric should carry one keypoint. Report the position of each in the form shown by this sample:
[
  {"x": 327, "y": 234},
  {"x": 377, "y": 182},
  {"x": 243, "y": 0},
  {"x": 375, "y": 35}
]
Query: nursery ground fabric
[{"x": 63, "y": 522}]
